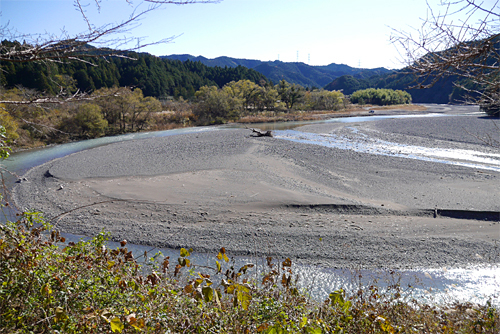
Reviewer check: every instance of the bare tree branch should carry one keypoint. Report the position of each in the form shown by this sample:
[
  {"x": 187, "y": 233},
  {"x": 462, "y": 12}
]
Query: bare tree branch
[
  {"x": 109, "y": 40},
  {"x": 461, "y": 42},
  {"x": 97, "y": 42}
]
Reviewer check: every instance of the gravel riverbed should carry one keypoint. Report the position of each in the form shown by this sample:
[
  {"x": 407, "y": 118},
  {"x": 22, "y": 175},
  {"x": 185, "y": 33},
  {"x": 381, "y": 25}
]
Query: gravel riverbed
[{"x": 267, "y": 196}]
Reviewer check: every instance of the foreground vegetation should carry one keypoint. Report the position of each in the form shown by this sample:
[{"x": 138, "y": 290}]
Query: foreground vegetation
[{"x": 48, "y": 286}]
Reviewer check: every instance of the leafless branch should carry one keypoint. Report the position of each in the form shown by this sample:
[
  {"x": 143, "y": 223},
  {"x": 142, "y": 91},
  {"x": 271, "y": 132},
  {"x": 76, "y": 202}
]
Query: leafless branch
[
  {"x": 449, "y": 45},
  {"x": 96, "y": 42},
  {"x": 180, "y": 2}
]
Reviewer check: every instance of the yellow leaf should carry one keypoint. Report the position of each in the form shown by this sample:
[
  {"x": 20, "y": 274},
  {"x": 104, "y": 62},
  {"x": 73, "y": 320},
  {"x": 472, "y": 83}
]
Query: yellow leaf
[
  {"x": 303, "y": 323},
  {"x": 111, "y": 264},
  {"x": 244, "y": 298},
  {"x": 230, "y": 289},
  {"x": 139, "y": 324},
  {"x": 208, "y": 293},
  {"x": 218, "y": 266},
  {"x": 60, "y": 314},
  {"x": 184, "y": 252},
  {"x": 216, "y": 295},
  {"x": 116, "y": 325}
]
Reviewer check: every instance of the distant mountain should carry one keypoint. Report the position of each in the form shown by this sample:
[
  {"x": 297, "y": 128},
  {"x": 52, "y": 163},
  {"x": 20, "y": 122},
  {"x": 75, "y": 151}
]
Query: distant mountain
[
  {"x": 297, "y": 73},
  {"x": 219, "y": 61}
]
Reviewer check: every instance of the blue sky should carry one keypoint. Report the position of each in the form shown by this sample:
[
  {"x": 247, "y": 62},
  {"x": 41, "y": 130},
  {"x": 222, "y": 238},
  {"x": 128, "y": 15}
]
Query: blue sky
[{"x": 319, "y": 32}]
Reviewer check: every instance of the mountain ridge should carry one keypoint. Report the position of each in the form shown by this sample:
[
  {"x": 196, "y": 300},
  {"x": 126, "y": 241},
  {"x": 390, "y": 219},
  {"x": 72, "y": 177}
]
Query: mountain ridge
[{"x": 293, "y": 72}]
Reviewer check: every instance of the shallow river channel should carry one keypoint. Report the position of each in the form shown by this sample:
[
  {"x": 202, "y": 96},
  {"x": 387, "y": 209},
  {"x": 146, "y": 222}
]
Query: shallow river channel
[{"x": 475, "y": 284}]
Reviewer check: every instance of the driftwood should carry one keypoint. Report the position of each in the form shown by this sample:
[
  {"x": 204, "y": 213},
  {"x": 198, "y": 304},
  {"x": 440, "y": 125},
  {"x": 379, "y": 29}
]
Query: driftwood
[{"x": 260, "y": 133}]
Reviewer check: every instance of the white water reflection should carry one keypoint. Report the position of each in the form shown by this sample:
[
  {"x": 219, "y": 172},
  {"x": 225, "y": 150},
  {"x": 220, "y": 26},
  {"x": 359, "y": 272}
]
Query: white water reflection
[
  {"x": 360, "y": 142},
  {"x": 476, "y": 284}
]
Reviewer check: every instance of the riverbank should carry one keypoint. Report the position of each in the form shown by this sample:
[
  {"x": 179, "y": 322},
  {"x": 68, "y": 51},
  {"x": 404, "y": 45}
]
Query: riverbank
[
  {"x": 265, "y": 196},
  {"x": 290, "y": 116}
]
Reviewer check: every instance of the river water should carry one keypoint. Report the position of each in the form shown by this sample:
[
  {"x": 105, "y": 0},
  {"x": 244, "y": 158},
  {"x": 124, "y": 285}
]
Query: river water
[{"x": 475, "y": 284}]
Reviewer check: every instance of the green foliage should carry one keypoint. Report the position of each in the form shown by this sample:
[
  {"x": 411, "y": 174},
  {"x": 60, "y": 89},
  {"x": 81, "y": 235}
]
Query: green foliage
[
  {"x": 48, "y": 285},
  {"x": 126, "y": 110},
  {"x": 9, "y": 124},
  {"x": 216, "y": 106},
  {"x": 8, "y": 127},
  {"x": 322, "y": 100},
  {"x": 243, "y": 98},
  {"x": 382, "y": 97},
  {"x": 289, "y": 93},
  {"x": 88, "y": 122},
  {"x": 156, "y": 77}
]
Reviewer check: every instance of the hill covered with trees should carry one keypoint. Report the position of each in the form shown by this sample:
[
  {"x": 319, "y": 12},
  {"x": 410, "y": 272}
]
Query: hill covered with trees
[
  {"x": 442, "y": 92},
  {"x": 294, "y": 72},
  {"x": 154, "y": 76}
]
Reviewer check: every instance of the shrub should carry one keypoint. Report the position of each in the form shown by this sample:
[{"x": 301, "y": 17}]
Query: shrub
[
  {"x": 216, "y": 106},
  {"x": 88, "y": 122},
  {"x": 381, "y": 97},
  {"x": 9, "y": 124}
]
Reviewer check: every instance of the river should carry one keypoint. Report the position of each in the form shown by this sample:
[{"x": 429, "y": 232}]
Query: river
[{"x": 475, "y": 284}]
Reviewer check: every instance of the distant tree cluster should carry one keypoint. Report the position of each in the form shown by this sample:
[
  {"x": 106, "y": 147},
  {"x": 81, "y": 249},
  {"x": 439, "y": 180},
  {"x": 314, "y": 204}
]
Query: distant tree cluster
[
  {"x": 240, "y": 98},
  {"x": 381, "y": 97}
]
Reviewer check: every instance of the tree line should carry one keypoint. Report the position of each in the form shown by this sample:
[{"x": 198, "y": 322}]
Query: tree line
[
  {"x": 117, "y": 110},
  {"x": 236, "y": 99}
]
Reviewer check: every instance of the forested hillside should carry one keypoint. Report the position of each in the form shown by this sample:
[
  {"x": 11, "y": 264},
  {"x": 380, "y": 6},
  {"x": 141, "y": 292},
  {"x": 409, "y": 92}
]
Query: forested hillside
[
  {"x": 154, "y": 76},
  {"x": 442, "y": 92},
  {"x": 293, "y": 72}
]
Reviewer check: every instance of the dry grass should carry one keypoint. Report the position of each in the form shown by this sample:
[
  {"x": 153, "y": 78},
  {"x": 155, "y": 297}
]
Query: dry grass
[
  {"x": 402, "y": 107},
  {"x": 298, "y": 115}
]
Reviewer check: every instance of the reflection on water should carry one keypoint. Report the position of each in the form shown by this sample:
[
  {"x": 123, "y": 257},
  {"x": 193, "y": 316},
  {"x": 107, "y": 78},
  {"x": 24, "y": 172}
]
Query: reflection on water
[
  {"x": 360, "y": 142},
  {"x": 475, "y": 284}
]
